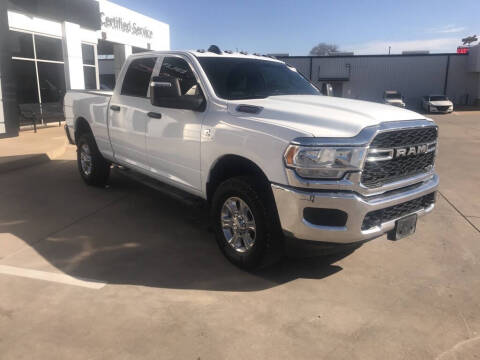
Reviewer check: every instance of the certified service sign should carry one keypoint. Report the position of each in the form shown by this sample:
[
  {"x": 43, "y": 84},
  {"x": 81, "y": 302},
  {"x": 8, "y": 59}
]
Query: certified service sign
[
  {"x": 118, "y": 23},
  {"x": 124, "y": 26}
]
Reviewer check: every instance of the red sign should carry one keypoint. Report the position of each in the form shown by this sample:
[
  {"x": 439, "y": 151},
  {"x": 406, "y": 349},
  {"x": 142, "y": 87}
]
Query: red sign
[{"x": 462, "y": 50}]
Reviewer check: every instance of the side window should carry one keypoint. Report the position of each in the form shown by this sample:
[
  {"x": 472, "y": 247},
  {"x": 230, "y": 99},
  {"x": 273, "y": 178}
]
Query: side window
[
  {"x": 179, "y": 68},
  {"x": 137, "y": 78}
]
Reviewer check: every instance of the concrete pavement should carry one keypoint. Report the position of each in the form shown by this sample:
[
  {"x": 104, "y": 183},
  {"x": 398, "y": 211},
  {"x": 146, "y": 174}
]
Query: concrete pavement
[
  {"x": 31, "y": 148},
  {"x": 170, "y": 294}
]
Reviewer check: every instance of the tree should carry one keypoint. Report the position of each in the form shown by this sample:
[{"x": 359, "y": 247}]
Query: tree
[
  {"x": 323, "y": 49},
  {"x": 469, "y": 40}
]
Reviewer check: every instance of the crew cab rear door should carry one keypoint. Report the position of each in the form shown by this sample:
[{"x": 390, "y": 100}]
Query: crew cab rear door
[
  {"x": 173, "y": 140},
  {"x": 128, "y": 112}
]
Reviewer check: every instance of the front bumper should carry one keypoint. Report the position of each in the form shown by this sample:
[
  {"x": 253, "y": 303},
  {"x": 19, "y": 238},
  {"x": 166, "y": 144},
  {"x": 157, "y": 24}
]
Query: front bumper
[
  {"x": 292, "y": 202},
  {"x": 434, "y": 109}
]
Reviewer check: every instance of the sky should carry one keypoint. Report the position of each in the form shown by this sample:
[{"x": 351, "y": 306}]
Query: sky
[{"x": 295, "y": 26}]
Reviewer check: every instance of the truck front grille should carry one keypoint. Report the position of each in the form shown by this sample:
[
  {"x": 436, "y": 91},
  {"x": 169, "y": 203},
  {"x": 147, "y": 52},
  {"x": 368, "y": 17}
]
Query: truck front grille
[
  {"x": 405, "y": 137},
  {"x": 377, "y": 217},
  {"x": 379, "y": 173}
]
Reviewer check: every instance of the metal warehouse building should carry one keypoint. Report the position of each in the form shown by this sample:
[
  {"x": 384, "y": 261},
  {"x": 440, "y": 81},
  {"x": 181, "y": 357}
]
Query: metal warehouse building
[{"x": 366, "y": 77}]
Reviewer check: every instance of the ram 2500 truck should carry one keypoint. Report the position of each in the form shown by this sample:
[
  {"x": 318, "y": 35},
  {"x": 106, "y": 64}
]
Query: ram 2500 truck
[{"x": 273, "y": 158}]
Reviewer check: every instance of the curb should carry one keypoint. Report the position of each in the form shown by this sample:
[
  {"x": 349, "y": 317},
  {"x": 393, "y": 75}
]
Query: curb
[
  {"x": 17, "y": 162},
  {"x": 22, "y": 161}
]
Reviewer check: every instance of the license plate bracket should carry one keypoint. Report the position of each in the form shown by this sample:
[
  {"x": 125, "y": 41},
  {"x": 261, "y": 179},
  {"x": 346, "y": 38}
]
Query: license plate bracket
[{"x": 403, "y": 227}]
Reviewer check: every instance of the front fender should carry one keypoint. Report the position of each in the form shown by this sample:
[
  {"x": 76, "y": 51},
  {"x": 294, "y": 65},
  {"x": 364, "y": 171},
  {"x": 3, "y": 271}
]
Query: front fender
[{"x": 262, "y": 143}]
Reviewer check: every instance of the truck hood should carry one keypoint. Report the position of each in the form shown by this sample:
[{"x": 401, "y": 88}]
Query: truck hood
[{"x": 322, "y": 116}]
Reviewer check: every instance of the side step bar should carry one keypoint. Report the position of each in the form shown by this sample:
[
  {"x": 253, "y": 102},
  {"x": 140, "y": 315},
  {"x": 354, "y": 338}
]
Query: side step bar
[{"x": 168, "y": 190}]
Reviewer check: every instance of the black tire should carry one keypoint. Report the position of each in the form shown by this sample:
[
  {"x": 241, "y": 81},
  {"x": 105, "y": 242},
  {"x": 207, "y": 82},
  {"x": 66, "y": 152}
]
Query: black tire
[
  {"x": 268, "y": 246},
  {"x": 97, "y": 174}
]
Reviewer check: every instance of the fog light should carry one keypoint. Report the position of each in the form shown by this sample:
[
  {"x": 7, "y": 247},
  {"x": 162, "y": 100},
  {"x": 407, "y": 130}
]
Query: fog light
[{"x": 325, "y": 217}]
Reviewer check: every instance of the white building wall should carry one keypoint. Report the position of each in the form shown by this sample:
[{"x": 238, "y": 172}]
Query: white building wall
[
  {"x": 72, "y": 54},
  {"x": 17, "y": 21}
]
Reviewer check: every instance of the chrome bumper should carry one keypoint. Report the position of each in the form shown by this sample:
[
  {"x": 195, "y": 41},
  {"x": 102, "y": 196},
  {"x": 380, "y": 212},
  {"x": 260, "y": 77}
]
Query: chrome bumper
[{"x": 292, "y": 202}]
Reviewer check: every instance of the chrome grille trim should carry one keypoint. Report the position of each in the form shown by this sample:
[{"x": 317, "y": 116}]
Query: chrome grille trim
[
  {"x": 402, "y": 154},
  {"x": 351, "y": 181}
]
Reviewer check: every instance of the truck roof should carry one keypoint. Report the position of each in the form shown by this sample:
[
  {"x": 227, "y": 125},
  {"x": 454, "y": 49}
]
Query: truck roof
[{"x": 202, "y": 53}]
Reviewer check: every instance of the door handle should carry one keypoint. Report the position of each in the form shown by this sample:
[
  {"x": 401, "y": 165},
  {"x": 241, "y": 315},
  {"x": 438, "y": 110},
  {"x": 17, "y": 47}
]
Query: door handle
[
  {"x": 115, "y": 107},
  {"x": 154, "y": 115}
]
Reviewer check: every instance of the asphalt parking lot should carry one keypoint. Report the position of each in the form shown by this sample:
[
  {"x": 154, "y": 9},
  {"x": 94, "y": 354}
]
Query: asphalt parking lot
[{"x": 128, "y": 273}]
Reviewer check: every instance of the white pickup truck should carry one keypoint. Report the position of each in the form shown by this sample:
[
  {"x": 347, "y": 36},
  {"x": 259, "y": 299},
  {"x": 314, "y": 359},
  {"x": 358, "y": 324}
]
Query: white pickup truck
[{"x": 273, "y": 158}]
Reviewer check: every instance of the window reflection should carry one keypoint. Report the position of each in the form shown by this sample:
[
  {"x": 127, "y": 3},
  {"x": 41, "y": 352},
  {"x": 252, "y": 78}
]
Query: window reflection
[
  {"x": 88, "y": 54},
  {"x": 48, "y": 48},
  {"x": 26, "y": 90},
  {"x": 90, "y": 77},
  {"x": 52, "y": 89},
  {"x": 52, "y": 81},
  {"x": 21, "y": 44}
]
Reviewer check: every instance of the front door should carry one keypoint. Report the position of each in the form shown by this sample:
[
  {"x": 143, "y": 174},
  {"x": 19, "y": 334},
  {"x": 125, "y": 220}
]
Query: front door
[{"x": 173, "y": 141}]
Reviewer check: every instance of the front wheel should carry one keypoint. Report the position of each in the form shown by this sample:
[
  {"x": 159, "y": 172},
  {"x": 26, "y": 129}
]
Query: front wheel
[
  {"x": 245, "y": 223},
  {"x": 93, "y": 168}
]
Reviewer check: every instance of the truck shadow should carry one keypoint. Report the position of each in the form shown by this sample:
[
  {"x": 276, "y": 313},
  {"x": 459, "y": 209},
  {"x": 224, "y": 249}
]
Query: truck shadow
[{"x": 143, "y": 237}]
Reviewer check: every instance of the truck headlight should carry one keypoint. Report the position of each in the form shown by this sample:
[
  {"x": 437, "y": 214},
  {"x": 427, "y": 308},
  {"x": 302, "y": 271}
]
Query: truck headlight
[{"x": 324, "y": 162}]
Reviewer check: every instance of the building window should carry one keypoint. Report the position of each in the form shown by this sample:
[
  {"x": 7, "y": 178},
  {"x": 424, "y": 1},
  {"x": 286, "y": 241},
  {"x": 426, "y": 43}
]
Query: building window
[
  {"x": 90, "y": 68},
  {"x": 21, "y": 44},
  {"x": 48, "y": 48},
  {"x": 38, "y": 67}
]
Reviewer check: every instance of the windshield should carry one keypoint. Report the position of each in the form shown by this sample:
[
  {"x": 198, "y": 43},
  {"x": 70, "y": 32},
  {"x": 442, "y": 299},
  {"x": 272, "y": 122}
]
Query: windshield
[
  {"x": 438, "y": 98},
  {"x": 393, "y": 96},
  {"x": 235, "y": 79}
]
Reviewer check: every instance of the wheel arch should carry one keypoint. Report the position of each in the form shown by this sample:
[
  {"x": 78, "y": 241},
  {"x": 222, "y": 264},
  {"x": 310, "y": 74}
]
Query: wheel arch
[
  {"x": 81, "y": 127},
  {"x": 228, "y": 166}
]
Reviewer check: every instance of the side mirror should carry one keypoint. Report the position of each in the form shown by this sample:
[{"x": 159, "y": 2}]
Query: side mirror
[{"x": 165, "y": 91}]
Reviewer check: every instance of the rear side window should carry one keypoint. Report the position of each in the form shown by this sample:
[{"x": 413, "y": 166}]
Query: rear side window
[{"x": 138, "y": 76}]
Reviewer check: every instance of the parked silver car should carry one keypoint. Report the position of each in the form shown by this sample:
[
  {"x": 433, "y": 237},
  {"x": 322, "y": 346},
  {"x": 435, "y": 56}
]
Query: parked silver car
[
  {"x": 393, "y": 97},
  {"x": 437, "y": 104}
]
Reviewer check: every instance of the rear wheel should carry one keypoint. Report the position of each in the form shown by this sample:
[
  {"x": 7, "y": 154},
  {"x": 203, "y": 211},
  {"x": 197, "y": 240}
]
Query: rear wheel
[
  {"x": 93, "y": 168},
  {"x": 245, "y": 223}
]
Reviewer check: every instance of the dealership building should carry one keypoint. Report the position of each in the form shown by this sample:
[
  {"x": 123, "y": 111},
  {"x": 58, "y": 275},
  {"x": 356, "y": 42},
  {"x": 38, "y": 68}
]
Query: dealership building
[
  {"x": 49, "y": 46},
  {"x": 366, "y": 77}
]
